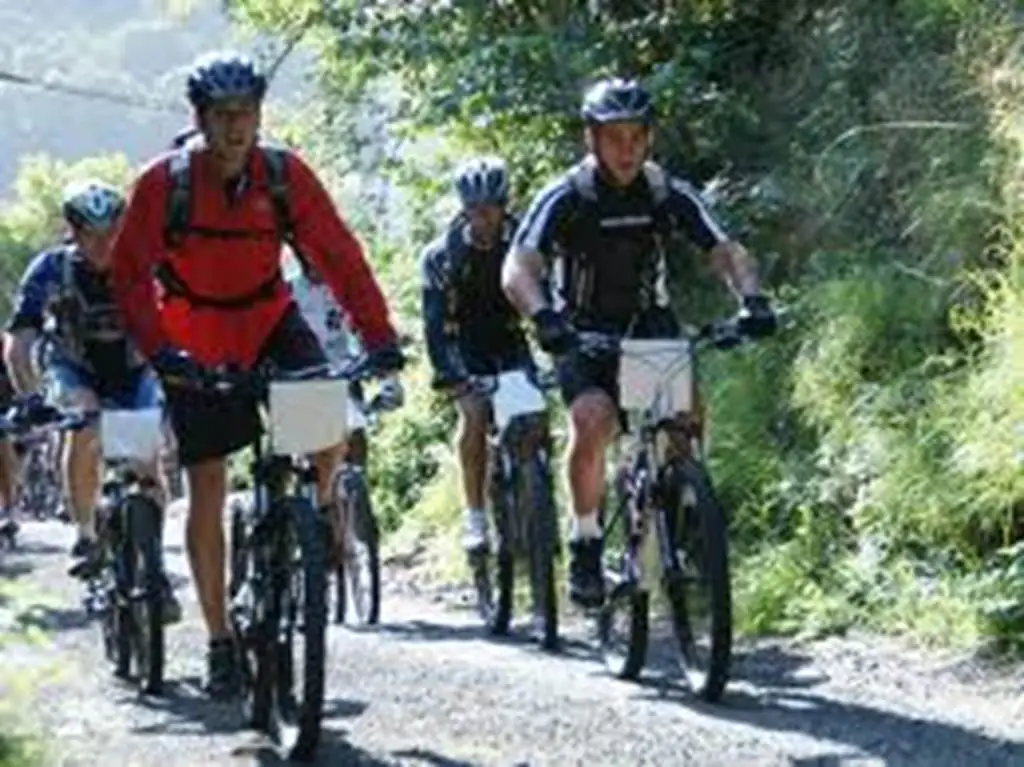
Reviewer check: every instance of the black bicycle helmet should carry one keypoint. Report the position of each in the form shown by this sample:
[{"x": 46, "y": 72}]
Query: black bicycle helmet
[
  {"x": 617, "y": 100},
  {"x": 482, "y": 181},
  {"x": 224, "y": 75}
]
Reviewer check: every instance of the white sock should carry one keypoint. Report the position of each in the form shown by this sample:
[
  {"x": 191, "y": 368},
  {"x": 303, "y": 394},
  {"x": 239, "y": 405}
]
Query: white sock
[
  {"x": 86, "y": 531},
  {"x": 585, "y": 526}
]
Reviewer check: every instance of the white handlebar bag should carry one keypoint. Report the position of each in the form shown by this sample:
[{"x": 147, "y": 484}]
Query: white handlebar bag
[
  {"x": 307, "y": 416},
  {"x": 516, "y": 395},
  {"x": 656, "y": 373},
  {"x": 135, "y": 435}
]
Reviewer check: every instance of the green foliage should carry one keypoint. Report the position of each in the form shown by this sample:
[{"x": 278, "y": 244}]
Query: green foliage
[
  {"x": 867, "y": 152},
  {"x": 32, "y": 220}
]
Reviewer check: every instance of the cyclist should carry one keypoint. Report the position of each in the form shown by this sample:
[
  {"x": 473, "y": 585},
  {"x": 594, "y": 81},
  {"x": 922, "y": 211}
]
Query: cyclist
[
  {"x": 321, "y": 311},
  {"x": 602, "y": 228},
  {"x": 224, "y": 301},
  {"x": 470, "y": 326},
  {"x": 90, "y": 361}
]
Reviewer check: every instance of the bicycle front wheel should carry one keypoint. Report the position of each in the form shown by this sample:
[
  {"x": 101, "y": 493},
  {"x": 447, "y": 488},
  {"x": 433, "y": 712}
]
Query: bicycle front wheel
[
  {"x": 140, "y": 640},
  {"x": 298, "y": 602},
  {"x": 697, "y": 588}
]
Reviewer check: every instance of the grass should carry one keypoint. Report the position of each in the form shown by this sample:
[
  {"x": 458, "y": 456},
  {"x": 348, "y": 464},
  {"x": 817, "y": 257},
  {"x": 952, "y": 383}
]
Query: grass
[{"x": 20, "y": 744}]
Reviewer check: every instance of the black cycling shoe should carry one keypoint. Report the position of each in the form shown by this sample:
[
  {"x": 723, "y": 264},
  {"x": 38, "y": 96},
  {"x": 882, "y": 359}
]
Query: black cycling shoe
[
  {"x": 88, "y": 556},
  {"x": 586, "y": 581},
  {"x": 222, "y": 672},
  {"x": 9, "y": 527}
]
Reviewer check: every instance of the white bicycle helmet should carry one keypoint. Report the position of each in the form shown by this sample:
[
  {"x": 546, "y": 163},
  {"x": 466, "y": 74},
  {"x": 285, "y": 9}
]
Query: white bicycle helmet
[
  {"x": 482, "y": 181},
  {"x": 91, "y": 203}
]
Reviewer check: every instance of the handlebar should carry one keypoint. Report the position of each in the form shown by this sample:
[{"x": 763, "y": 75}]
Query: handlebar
[
  {"x": 720, "y": 334},
  {"x": 486, "y": 385},
  {"x": 256, "y": 381},
  {"x": 57, "y": 419}
]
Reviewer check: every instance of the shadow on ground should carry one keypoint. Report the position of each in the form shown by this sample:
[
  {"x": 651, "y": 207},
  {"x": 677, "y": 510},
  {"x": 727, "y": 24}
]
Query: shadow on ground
[
  {"x": 185, "y": 709},
  {"x": 47, "y": 618},
  {"x": 778, "y": 699},
  {"x": 430, "y": 631}
]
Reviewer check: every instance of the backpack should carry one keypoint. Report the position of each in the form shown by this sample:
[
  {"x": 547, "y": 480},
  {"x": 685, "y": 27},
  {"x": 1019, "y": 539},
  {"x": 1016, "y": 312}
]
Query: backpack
[
  {"x": 178, "y": 214},
  {"x": 582, "y": 178}
]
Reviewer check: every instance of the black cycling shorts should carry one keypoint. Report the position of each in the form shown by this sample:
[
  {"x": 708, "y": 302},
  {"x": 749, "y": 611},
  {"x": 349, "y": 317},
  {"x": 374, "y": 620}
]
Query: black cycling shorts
[
  {"x": 209, "y": 425},
  {"x": 503, "y": 354}
]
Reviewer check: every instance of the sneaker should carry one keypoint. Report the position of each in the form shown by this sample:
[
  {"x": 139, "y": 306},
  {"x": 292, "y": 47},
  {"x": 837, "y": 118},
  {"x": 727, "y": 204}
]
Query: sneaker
[
  {"x": 171, "y": 606},
  {"x": 222, "y": 672},
  {"x": 586, "y": 581},
  {"x": 88, "y": 556},
  {"x": 474, "y": 531},
  {"x": 8, "y": 526}
]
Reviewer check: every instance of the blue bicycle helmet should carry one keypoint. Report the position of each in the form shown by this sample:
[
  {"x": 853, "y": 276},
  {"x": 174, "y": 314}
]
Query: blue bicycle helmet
[
  {"x": 222, "y": 75},
  {"x": 91, "y": 203},
  {"x": 482, "y": 181}
]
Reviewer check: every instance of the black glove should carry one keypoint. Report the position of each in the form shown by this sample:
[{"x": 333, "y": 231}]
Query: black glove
[
  {"x": 176, "y": 366},
  {"x": 554, "y": 334},
  {"x": 756, "y": 317},
  {"x": 386, "y": 359}
]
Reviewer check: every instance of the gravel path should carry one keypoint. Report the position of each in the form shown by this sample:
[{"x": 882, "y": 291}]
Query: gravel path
[{"x": 425, "y": 688}]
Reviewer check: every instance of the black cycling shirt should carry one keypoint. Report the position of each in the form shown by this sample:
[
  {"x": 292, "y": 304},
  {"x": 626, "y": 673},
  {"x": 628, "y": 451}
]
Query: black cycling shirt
[
  {"x": 606, "y": 245},
  {"x": 464, "y": 305}
]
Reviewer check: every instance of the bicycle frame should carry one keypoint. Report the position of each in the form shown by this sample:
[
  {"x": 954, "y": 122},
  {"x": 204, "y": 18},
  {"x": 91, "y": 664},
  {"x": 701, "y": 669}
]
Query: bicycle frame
[{"x": 663, "y": 375}]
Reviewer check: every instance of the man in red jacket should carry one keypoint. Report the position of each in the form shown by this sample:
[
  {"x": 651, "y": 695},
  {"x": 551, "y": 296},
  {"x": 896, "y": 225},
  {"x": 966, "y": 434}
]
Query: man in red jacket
[{"x": 223, "y": 300}]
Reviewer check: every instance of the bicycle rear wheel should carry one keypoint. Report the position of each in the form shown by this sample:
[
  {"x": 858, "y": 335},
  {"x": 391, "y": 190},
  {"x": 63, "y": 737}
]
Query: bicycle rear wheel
[
  {"x": 698, "y": 589},
  {"x": 297, "y": 607},
  {"x": 358, "y": 574}
]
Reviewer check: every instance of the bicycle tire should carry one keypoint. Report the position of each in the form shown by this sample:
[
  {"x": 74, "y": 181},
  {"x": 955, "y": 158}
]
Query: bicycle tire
[
  {"x": 143, "y": 617},
  {"x": 623, "y": 596},
  {"x": 366, "y": 532},
  {"x": 252, "y": 625},
  {"x": 713, "y": 530},
  {"x": 296, "y": 723},
  {"x": 498, "y": 617},
  {"x": 543, "y": 533}
]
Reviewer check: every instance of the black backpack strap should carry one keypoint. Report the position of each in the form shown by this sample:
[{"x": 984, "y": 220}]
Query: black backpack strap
[
  {"x": 275, "y": 160},
  {"x": 179, "y": 198}
]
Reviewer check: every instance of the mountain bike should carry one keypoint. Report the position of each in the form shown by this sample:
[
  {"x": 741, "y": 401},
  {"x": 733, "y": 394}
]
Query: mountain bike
[
  {"x": 38, "y": 492},
  {"x": 522, "y": 502},
  {"x": 672, "y": 527},
  {"x": 278, "y": 554},
  {"x": 126, "y": 586},
  {"x": 357, "y": 575},
  {"x": 129, "y": 590}
]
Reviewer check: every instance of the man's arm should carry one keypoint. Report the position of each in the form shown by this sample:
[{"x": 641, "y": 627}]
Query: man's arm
[
  {"x": 442, "y": 351},
  {"x": 136, "y": 250},
  {"x": 326, "y": 241},
  {"x": 736, "y": 268},
  {"x": 729, "y": 260},
  {"x": 522, "y": 279},
  {"x": 37, "y": 287},
  {"x": 524, "y": 269}
]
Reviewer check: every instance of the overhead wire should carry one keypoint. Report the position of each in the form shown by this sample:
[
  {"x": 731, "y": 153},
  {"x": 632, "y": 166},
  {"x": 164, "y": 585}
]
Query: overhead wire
[{"x": 91, "y": 93}]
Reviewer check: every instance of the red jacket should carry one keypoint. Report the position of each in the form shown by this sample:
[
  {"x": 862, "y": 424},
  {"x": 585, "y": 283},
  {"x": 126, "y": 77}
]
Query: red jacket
[{"x": 225, "y": 268}]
